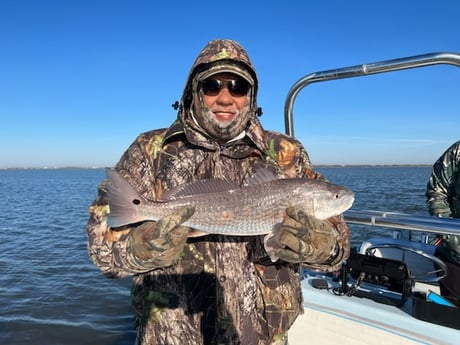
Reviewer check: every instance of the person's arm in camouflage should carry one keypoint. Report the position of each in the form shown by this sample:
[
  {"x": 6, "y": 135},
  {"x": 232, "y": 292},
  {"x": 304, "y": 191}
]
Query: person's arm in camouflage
[
  {"x": 321, "y": 245},
  {"x": 328, "y": 241},
  {"x": 440, "y": 185},
  {"x": 134, "y": 249}
]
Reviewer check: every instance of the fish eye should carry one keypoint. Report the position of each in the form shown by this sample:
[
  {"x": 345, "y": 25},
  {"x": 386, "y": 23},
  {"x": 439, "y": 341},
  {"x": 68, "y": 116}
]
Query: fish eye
[{"x": 136, "y": 202}]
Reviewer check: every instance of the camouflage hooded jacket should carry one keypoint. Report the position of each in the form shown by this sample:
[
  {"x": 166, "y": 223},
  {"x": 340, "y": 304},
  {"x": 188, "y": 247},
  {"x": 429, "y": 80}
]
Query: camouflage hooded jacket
[
  {"x": 443, "y": 196},
  {"x": 224, "y": 289},
  {"x": 443, "y": 189}
]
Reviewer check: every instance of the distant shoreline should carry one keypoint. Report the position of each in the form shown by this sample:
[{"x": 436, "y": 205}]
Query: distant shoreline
[{"x": 314, "y": 166}]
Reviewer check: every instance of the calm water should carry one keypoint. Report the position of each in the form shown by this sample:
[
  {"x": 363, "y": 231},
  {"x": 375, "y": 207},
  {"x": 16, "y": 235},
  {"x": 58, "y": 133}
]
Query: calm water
[
  {"x": 50, "y": 293},
  {"x": 395, "y": 189}
]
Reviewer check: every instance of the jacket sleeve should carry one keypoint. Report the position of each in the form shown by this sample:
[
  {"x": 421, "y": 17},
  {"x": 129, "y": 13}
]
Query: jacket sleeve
[
  {"x": 300, "y": 162},
  {"x": 440, "y": 187},
  {"x": 107, "y": 247}
]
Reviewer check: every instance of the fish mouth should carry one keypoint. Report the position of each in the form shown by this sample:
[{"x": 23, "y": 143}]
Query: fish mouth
[{"x": 348, "y": 202}]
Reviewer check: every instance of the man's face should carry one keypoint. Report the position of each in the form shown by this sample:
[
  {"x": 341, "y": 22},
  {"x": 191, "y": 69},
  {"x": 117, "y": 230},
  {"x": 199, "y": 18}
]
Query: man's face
[{"x": 225, "y": 105}]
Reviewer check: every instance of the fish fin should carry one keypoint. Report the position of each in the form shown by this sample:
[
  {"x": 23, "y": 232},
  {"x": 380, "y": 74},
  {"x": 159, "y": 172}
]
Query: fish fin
[
  {"x": 215, "y": 185},
  {"x": 205, "y": 186},
  {"x": 197, "y": 233},
  {"x": 262, "y": 175},
  {"x": 123, "y": 200}
]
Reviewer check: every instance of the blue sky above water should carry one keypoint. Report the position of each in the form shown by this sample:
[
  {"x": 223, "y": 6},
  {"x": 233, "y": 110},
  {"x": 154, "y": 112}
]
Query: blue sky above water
[{"x": 81, "y": 79}]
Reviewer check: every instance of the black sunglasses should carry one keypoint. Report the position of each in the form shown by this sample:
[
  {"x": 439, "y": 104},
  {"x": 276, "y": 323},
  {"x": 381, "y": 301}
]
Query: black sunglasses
[{"x": 236, "y": 87}]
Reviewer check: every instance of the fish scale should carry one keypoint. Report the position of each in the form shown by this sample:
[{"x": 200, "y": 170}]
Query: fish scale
[
  {"x": 242, "y": 211},
  {"x": 219, "y": 213}
]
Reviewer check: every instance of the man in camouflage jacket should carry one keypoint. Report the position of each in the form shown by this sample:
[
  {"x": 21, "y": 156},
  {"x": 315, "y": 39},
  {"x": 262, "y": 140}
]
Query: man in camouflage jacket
[
  {"x": 213, "y": 289},
  {"x": 443, "y": 198}
]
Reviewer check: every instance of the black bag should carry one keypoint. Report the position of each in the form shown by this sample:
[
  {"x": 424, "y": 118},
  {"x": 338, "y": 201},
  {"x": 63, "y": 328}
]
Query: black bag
[{"x": 434, "y": 312}]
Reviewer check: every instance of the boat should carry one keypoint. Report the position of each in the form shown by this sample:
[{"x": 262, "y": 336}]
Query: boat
[{"x": 387, "y": 292}]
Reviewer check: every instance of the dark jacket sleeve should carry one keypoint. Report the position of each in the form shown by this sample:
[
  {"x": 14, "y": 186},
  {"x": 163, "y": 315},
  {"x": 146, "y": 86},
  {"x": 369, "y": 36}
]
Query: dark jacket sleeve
[{"x": 443, "y": 188}]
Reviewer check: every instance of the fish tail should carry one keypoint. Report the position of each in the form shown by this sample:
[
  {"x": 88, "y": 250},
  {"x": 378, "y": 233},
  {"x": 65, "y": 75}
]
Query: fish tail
[{"x": 124, "y": 200}]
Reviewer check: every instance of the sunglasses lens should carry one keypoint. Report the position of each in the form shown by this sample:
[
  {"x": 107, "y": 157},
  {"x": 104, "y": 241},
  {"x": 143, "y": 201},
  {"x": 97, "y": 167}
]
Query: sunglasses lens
[
  {"x": 211, "y": 87},
  {"x": 237, "y": 88}
]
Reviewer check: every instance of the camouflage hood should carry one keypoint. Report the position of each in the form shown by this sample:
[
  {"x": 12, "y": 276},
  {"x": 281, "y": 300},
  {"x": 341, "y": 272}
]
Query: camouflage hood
[{"x": 219, "y": 56}]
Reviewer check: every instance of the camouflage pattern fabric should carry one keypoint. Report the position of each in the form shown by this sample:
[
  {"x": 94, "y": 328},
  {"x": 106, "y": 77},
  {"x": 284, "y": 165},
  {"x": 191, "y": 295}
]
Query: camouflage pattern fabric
[
  {"x": 443, "y": 197},
  {"x": 218, "y": 56},
  {"x": 443, "y": 189},
  {"x": 223, "y": 289}
]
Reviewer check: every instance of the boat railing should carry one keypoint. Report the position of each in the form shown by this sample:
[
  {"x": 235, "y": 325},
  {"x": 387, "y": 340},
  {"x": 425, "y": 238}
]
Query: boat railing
[
  {"x": 362, "y": 70},
  {"x": 403, "y": 221},
  {"x": 426, "y": 224}
]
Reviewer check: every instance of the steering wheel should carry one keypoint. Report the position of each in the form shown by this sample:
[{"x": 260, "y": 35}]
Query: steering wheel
[{"x": 433, "y": 275}]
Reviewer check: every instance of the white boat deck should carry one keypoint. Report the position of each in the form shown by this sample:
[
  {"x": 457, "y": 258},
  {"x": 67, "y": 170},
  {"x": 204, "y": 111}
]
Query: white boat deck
[{"x": 333, "y": 319}]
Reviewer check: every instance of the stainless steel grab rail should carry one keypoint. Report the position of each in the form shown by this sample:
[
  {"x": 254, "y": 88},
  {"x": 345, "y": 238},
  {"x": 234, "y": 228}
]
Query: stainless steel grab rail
[
  {"x": 426, "y": 224},
  {"x": 363, "y": 70}
]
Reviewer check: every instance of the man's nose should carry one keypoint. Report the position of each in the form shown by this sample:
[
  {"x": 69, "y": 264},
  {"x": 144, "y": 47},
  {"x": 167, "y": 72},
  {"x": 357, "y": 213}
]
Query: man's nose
[{"x": 224, "y": 96}]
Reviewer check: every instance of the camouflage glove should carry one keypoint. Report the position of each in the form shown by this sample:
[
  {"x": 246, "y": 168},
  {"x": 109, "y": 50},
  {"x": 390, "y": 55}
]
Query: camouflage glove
[
  {"x": 306, "y": 239},
  {"x": 159, "y": 244}
]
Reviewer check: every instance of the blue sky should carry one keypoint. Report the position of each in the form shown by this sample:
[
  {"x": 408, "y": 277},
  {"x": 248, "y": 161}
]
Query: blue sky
[{"x": 80, "y": 79}]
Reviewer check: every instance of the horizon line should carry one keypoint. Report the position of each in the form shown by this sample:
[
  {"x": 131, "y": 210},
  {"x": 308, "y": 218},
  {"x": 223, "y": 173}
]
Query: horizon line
[{"x": 314, "y": 166}]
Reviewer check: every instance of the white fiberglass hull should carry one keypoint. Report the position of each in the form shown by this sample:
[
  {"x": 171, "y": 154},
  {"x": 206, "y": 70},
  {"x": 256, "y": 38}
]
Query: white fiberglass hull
[{"x": 332, "y": 319}]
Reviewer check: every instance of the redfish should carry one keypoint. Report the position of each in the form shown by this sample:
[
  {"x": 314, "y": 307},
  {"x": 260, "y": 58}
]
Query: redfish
[{"x": 221, "y": 207}]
